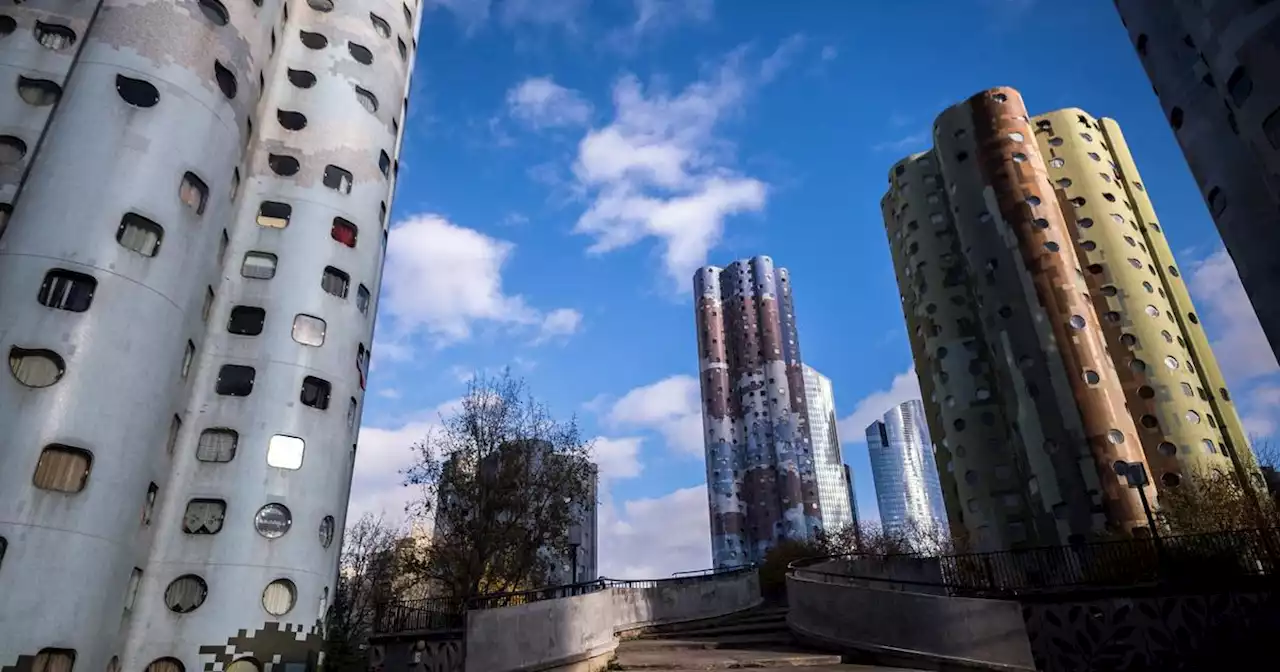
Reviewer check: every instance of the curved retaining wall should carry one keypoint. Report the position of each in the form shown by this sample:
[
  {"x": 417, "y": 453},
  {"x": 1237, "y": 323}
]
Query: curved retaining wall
[
  {"x": 891, "y": 625},
  {"x": 581, "y": 632}
]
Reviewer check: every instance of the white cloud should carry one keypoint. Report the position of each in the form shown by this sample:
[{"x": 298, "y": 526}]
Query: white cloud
[
  {"x": 905, "y": 387},
  {"x": 830, "y": 52},
  {"x": 474, "y": 14},
  {"x": 658, "y": 170},
  {"x": 445, "y": 278},
  {"x": 377, "y": 485},
  {"x": 558, "y": 323},
  {"x": 654, "y": 538},
  {"x": 541, "y": 103},
  {"x": 781, "y": 57},
  {"x": 653, "y": 15},
  {"x": 617, "y": 458},
  {"x": 470, "y": 13},
  {"x": 1241, "y": 348},
  {"x": 671, "y": 407},
  {"x": 912, "y": 142}
]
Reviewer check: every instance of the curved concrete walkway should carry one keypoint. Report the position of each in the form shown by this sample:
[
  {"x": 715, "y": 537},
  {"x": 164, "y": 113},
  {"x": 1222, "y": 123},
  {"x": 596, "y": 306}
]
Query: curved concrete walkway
[{"x": 756, "y": 639}]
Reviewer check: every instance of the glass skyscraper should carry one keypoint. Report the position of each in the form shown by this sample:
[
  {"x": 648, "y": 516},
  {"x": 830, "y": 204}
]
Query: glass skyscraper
[
  {"x": 906, "y": 478},
  {"x": 833, "y": 491}
]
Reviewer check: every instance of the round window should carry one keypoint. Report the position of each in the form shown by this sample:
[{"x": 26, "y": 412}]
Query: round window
[
  {"x": 279, "y": 596},
  {"x": 273, "y": 520},
  {"x": 186, "y": 593}
]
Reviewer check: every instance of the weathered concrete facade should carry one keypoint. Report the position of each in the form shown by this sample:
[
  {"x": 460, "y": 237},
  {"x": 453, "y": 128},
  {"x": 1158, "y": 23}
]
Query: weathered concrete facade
[
  {"x": 761, "y": 484},
  {"x": 1213, "y": 67},
  {"x": 1085, "y": 368},
  {"x": 195, "y": 198}
]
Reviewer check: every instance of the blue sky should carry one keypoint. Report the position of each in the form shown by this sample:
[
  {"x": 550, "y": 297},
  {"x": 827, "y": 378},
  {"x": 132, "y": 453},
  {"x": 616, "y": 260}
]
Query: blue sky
[{"x": 568, "y": 163}]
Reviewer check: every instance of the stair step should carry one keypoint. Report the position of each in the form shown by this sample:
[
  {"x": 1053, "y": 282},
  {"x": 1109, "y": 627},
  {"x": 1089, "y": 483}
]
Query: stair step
[
  {"x": 746, "y": 642},
  {"x": 719, "y": 660},
  {"x": 718, "y": 630}
]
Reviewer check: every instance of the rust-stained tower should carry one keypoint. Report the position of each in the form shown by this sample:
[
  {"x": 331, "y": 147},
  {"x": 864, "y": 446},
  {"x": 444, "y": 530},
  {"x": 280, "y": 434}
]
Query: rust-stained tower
[
  {"x": 1039, "y": 375},
  {"x": 761, "y": 485}
]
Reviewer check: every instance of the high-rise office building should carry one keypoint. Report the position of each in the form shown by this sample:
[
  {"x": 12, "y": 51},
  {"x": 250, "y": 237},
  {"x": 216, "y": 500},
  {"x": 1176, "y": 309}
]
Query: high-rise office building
[
  {"x": 1213, "y": 67},
  {"x": 853, "y": 496},
  {"x": 1052, "y": 333},
  {"x": 761, "y": 486},
  {"x": 908, "y": 492},
  {"x": 828, "y": 465},
  {"x": 195, "y": 197}
]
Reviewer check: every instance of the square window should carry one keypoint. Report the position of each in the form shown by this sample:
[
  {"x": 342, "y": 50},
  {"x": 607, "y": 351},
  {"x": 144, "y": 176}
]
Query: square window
[
  {"x": 54, "y": 660},
  {"x": 175, "y": 426},
  {"x": 246, "y": 320},
  {"x": 309, "y": 330},
  {"x": 315, "y": 392},
  {"x": 193, "y": 192},
  {"x": 204, "y": 516},
  {"x": 258, "y": 265},
  {"x": 362, "y": 299},
  {"x": 235, "y": 380},
  {"x": 335, "y": 282},
  {"x": 343, "y": 231},
  {"x": 285, "y": 452},
  {"x": 62, "y": 468},
  {"x": 274, "y": 215},
  {"x": 337, "y": 179},
  {"x": 67, "y": 290},
  {"x": 139, "y": 234},
  {"x": 187, "y": 356},
  {"x": 217, "y": 445}
]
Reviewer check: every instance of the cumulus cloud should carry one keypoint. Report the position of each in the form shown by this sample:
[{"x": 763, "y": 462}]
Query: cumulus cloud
[
  {"x": 617, "y": 458},
  {"x": 541, "y": 103},
  {"x": 377, "y": 485},
  {"x": 655, "y": 537},
  {"x": 444, "y": 278},
  {"x": 1240, "y": 346},
  {"x": 904, "y": 387},
  {"x": 657, "y": 170},
  {"x": 781, "y": 57},
  {"x": 672, "y": 407}
]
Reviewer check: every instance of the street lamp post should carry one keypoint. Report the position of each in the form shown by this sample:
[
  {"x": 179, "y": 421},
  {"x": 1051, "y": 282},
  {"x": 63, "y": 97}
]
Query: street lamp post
[{"x": 1135, "y": 475}]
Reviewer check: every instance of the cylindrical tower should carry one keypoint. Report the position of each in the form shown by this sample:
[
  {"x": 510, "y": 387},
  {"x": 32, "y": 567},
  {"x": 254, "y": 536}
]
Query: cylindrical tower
[
  {"x": 132, "y": 107},
  {"x": 189, "y": 517},
  {"x": 1024, "y": 200},
  {"x": 1220, "y": 417},
  {"x": 957, "y": 380},
  {"x": 798, "y": 412},
  {"x": 724, "y": 461},
  {"x": 1212, "y": 65}
]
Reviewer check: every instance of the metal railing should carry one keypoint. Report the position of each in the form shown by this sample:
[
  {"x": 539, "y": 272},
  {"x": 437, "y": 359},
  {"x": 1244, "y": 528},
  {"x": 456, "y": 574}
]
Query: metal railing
[
  {"x": 437, "y": 613},
  {"x": 1186, "y": 559}
]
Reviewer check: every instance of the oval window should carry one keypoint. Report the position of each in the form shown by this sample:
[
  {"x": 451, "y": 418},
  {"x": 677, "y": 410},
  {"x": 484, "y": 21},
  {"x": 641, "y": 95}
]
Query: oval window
[
  {"x": 36, "y": 367},
  {"x": 185, "y": 594},
  {"x": 279, "y": 597},
  {"x": 273, "y": 520}
]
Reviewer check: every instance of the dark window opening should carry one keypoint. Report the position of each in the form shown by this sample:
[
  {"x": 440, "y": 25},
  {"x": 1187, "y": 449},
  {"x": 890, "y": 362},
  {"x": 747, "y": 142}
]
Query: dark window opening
[
  {"x": 301, "y": 78},
  {"x": 367, "y": 100},
  {"x": 1239, "y": 86},
  {"x": 193, "y": 192},
  {"x": 204, "y": 516},
  {"x": 403, "y": 49},
  {"x": 67, "y": 290},
  {"x": 235, "y": 380},
  {"x": 1217, "y": 201},
  {"x": 360, "y": 53},
  {"x": 38, "y": 92},
  {"x": 1142, "y": 44},
  {"x": 226, "y": 79},
  {"x": 224, "y": 241},
  {"x": 274, "y": 215},
  {"x": 139, "y": 234},
  {"x": 149, "y": 503},
  {"x": 53, "y": 36},
  {"x": 7, "y": 25},
  {"x": 337, "y": 179},
  {"x": 215, "y": 12},
  {"x": 344, "y": 232},
  {"x": 315, "y": 392},
  {"x": 12, "y": 149},
  {"x": 283, "y": 164},
  {"x": 408, "y": 15},
  {"x": 362, "y": 364},
  {"x": 292, "y": 121},
  {"x": 246, "y": 320},
  {"x": 362, "y": 299},
  {"x": 380, "y": 26},
  {"x": 1271, "y": 127},
  {"x": 136, "y": 92},
  {"x": 313, "y": 40},
  {"x": 384, "y": 163},
  {"x": 335, "y": 282},
  {"x": 1175, "y": 118},
  {"x": 217, "y": 445},
  {"x": 321, "y": 5}
]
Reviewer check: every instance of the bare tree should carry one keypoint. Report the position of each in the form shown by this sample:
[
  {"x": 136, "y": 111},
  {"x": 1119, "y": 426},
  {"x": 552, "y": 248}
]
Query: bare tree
[
  {"x": 368, "y": 569},
  {"x": 503, "y": 482},
  {"x": 1214, "y": 502},
  {"x": 874, "y": 539}
]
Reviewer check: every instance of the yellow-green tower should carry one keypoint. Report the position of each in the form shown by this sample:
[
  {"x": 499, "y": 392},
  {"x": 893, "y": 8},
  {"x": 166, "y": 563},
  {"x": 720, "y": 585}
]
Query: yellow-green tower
[{"x": 1173, "y": 386}]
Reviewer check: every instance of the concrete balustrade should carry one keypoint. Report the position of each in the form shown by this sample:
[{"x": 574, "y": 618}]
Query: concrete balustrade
[
  {"x": 891, "y": 623},
  {"x": 580, "y": 633}
]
